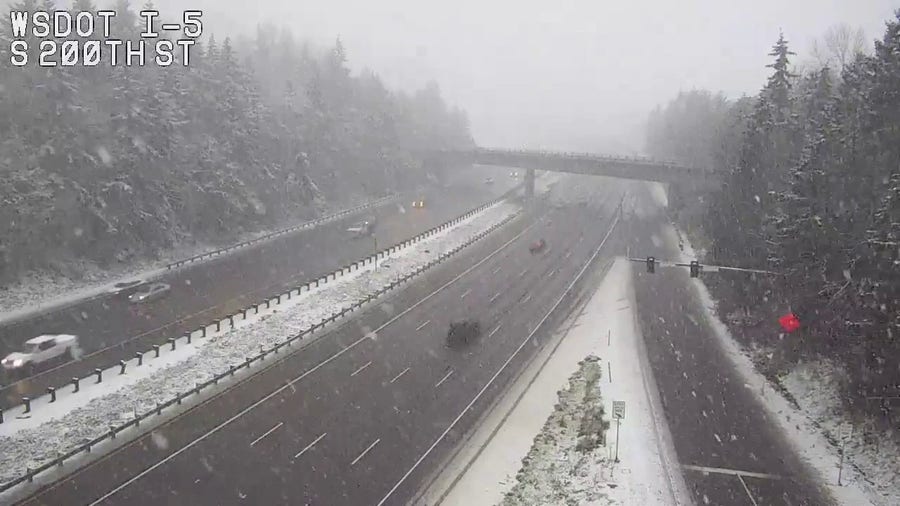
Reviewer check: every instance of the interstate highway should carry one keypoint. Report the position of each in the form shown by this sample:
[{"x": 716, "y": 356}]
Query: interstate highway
[
  {"x": 352, "y": 419},
  {"x": 206, "y": 291}
]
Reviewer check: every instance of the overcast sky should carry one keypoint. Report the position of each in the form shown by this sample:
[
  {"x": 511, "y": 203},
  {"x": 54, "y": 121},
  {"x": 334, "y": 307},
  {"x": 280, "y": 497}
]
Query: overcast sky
[{"x": 578, "y": 74}]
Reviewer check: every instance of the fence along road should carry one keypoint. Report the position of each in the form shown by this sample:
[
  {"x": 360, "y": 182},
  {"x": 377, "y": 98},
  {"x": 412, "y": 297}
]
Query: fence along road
[{"x": 208, "y": 291}]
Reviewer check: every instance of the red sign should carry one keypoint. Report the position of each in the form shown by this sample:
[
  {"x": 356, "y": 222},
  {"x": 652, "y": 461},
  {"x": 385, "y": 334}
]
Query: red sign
[{"x": 789, "y": 322}]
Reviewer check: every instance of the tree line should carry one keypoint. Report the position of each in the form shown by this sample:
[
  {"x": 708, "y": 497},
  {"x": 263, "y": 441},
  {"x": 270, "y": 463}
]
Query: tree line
[
  {"x": 811, "y": 190},
  {"x": 114, "y": 163}
]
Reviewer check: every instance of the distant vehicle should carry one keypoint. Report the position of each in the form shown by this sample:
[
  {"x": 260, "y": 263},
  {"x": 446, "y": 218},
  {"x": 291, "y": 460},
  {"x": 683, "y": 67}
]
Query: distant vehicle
[
  {"x": 514, "y": 174},
  {"x": 418, "y": 204},
  {"x": 489, "y": 180},
  {"x": 40, "y": 350},
  {"x": 125, "y": 286},
  {"x": 537, "y": 246},
  {"x": 463, "y": 332},
  {"x": 151, "y": 292},
  {"x": 363, "y": 228}
]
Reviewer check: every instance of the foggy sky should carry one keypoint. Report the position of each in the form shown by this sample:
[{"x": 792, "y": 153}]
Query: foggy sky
[{"x": 577, "y": 75}]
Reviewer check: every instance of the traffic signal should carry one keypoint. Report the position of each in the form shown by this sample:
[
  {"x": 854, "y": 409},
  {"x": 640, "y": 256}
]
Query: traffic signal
[
  {"x": 651, "y": 265},
  {"x": 789, "y": 322},
  {"x": 695, "y": 269}
]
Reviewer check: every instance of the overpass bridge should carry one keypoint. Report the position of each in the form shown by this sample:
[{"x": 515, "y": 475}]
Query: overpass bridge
[{"x": 645, "y": 169}]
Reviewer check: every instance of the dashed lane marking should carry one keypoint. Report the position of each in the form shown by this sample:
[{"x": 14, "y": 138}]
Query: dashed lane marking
[
  {"x": 363, "y": 454},
  {"x": 400, "y": 375},
  {"x": 439, "y": 383},
  {"x": 310, "y": 445},
  {"x": 422, "y": 326},
  {"x": 367, "y": 364},
  {"x": 260, "y": 438}
]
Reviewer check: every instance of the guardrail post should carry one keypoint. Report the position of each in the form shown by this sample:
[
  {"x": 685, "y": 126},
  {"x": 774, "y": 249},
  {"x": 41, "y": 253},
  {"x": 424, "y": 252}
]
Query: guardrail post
[
  {"x": 278, "y": 299},
  {"x": 158, "y": 408},
  {"x": 1, "y": 415},
  {"x": 122, "y": 365},
  {"x": 218, "y": 325},
  {"x": 29, "y": 475},
  {"x": 75, "y": 383},
  {"x": 27, "y": 402},
  {"x": 262, "y": 352},
  {"x": 231, "y": 320},
  {"x": 112, "y": 431},
  {"x": 231, "y": 369},
  {"x": 172, "y": 343},
  {"x": 156, "y": 350},
  {"x": 140, "y": 358},
  {"x": 99, "y": 373},
  {"x": 188, "y": 336},
  {"x": 52, "y": 392},
  {"x": 268, "y": 303},
  {"x": 203, "y": 331}
]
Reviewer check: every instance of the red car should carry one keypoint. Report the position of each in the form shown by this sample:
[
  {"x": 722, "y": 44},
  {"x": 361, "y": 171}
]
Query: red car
[{"x": 537, "y": 246}]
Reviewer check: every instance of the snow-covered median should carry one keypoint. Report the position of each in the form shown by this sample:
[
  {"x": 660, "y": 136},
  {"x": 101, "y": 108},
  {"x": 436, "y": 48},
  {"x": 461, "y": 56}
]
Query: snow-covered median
[
  {"x": 542, "y": 445},
  {"x": 23, "y": 443}
]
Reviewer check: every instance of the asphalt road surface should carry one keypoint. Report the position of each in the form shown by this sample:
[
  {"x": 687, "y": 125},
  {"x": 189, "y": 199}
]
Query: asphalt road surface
[
  {"x": 366, "y": 412},
  {"x": 717, "y": 424},
  {"x": 109, "y": 328}
]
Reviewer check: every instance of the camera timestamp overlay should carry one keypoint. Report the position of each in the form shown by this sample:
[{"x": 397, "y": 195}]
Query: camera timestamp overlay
[{"x": 87, "y": 39}]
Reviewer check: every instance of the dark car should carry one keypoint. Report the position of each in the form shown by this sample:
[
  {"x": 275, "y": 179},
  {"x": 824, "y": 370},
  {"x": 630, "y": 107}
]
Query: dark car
[
  {"x": 463, "y": 332},
  {"x": 151, "y": 292},
  {"x": 537, "y": 246}
]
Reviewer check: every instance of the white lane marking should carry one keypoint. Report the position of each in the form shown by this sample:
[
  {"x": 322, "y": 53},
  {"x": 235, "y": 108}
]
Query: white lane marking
[
  {"x": 400, "y": 375},
  {"x": 290, "y": 384},
  {"x": 439, "y": 383},
  {"x": 467, "y": 292},
  {"x": 733, "y": 472},
  {"x": 363, "y": 454},
  {"x": 422, "y": 326},
  {"x": 495, "y": 271},
  {"x": 747, "y": 490},
  {"x": 495, "y": 330},
  {"x": 260, "y": 438},
  {"x": 499, "y": 371},
  {"x": 526, "y": 299},
  {"x": 494, "y": 298},
  {"x": 524, "y": 272},
  {"x": 354, "y": 373},
  {"x": 310, "y": 445},
  {"x": 568, "y": 254}
]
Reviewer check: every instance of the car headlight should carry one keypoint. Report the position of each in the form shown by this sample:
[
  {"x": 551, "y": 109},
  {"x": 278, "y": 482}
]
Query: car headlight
[{"x": 15, "y": 363}]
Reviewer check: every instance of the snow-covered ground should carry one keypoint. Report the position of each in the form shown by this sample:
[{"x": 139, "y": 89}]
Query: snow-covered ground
[
  {"x": 78, "y": 417},
  {"x": 526, "y": 451},
  {"x": 869, "y": 473},
  {"x": 41, "y": 291}
]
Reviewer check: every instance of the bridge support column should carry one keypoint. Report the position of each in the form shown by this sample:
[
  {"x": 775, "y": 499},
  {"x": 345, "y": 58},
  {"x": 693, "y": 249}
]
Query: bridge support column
[{"x": 529, "y": 184}]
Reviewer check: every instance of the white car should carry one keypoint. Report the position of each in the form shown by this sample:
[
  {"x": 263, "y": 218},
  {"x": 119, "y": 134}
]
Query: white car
[
  {"x": 125, "y": 286},
  {"x": 149, "y": 293},
  {"x": 41, "y": 349}
]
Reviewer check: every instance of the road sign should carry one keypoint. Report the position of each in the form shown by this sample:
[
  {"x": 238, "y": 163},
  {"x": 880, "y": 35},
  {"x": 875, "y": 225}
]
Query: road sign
[
  {"x": 846, "y": 432},
  {"x": 619, "y": 410}
]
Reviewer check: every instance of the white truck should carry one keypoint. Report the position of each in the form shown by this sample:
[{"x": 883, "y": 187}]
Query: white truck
[{"x": 40, "y": 351}]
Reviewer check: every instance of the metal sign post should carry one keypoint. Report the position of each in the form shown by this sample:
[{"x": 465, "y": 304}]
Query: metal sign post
[
  {"x": 846, "y": 432},
  {"x": 618, "y": 415}
]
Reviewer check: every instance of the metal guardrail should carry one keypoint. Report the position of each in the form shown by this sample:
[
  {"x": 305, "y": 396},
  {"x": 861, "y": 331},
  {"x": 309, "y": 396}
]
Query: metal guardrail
[
  {"x": 308, "y": 224},
  {"x": 59, "y": 461}
]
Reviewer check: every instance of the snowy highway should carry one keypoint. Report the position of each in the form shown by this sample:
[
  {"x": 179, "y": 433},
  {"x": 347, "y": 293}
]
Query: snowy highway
[
  {"x": 111, "y": 329},
  {"x": 319, "y": 426},
  {"x": 730, "y": 448}
]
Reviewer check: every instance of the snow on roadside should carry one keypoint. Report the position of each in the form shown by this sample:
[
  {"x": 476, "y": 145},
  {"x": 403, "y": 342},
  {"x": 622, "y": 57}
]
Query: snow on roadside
[
  {"x": 499, "y": 464},
  {"x": 35, "y": 445},
  {"x": 41, "y": 289},
  {"x": 816, "y": 387},
  {"x": 569, "y": 461},
  {"x": 800, "y": 427}
]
